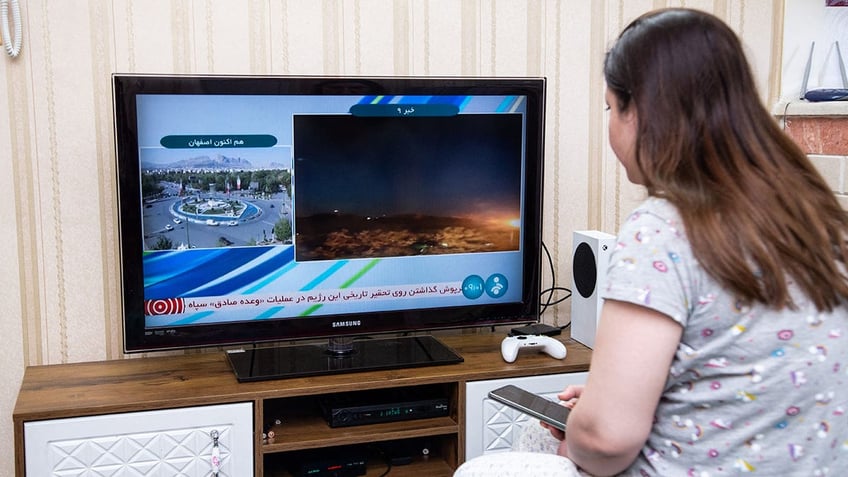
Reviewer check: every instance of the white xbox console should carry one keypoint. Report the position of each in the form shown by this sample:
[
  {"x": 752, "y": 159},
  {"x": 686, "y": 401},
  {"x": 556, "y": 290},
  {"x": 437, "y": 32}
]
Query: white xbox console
[
  {"x": 590, "y": 258},
  {"x": 511, "y": 345}
]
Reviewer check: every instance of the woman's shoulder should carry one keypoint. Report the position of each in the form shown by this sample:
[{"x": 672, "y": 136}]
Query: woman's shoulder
[{"x": 654, "y": 209}]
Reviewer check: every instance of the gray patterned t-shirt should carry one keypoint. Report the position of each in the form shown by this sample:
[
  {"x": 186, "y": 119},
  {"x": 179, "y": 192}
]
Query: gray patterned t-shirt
[{"x": 750, "y": 389}]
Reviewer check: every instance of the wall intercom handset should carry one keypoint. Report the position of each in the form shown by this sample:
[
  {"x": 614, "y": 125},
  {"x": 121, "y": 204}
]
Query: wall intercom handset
[
  {"x": 532, "y": 404},
  {"x": 11, "y": 43}
]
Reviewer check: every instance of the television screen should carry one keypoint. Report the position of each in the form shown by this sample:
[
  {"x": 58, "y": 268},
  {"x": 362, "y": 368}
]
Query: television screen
[{"x": 266, "y": 209}]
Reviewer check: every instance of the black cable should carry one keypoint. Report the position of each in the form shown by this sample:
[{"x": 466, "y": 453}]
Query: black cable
[
  {"x": 548, "y": 294},
  {"x": 388, "y": 468},
  {"x": 384, "y": 457}
]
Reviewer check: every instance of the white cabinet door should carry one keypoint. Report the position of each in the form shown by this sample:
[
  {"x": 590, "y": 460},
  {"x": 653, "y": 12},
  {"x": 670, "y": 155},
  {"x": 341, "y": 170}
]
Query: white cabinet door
[
  {"x": 166, "y": 443},
  {"x": 493, "y": 427}
]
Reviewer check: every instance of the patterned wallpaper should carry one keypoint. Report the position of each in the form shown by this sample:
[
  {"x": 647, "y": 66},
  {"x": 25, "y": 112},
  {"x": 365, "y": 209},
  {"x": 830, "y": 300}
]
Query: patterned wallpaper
[{"x": 60, "y": 281}]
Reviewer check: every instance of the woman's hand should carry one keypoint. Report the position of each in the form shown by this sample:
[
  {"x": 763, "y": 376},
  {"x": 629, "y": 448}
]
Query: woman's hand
[
  {"x": 558, "y": 434},
  {"x": 570, "y": 395},
  {"x": 568, "y": 398}
]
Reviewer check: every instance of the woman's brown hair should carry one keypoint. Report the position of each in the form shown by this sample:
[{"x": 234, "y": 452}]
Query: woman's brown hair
[{"x": 756, "y": 211}]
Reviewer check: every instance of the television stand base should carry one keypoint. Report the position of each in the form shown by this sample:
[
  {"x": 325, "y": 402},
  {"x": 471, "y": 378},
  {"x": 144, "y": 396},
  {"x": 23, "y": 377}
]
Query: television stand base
[{"x": 260, "y": 364}]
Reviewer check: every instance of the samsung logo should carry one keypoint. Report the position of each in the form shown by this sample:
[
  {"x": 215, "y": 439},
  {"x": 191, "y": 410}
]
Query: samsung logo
[{"x": 346, "y": 324}]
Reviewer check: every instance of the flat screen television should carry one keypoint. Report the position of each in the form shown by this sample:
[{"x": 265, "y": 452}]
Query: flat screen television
[{"x": 365, "y": 210}]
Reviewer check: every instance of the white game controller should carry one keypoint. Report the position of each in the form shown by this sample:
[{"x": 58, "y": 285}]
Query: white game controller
[{"x": 512, "y": 344}]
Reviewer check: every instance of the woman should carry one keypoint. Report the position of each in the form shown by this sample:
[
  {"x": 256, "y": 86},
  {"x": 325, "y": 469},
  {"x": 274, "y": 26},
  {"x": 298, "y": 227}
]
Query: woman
[{"x": 723, "y": 341}]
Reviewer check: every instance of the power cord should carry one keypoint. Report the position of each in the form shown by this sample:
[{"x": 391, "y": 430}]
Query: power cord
[
  {"x": 547, "y": 295},
  {"x": 385, "y": 458}
]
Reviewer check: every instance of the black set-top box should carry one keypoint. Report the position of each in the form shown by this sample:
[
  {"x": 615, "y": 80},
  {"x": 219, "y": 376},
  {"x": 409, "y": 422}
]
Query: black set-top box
[{"x": 373, "y": 407}]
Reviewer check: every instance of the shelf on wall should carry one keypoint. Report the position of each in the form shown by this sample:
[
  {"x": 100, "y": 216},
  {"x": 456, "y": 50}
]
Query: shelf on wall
[{"x": 801, "y": 107}]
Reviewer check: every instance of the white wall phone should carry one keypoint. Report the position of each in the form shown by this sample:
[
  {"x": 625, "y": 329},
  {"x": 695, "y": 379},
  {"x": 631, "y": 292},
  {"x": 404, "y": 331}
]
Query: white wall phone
[{"x": 11, "y": 43}]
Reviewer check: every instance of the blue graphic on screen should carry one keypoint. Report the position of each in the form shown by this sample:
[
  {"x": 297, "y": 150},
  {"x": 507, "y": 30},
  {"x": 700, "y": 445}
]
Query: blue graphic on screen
[{"x": 281, "y": 207}]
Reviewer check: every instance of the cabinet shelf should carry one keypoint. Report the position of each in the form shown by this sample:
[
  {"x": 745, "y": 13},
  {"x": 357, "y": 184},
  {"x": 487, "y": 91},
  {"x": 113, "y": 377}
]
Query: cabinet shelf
[{"x": 313, "y": 433}]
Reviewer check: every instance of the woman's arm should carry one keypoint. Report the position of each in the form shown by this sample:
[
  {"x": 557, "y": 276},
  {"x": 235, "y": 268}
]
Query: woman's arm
[{"x": 633, "y": 351}]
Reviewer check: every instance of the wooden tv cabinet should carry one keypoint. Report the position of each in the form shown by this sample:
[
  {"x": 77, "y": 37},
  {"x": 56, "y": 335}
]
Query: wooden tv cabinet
[{"x": 64, "y": 397}]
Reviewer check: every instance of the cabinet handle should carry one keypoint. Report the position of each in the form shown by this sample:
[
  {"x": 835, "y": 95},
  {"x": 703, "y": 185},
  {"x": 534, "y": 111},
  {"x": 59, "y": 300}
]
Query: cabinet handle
[{"x": 216, "y": 453}]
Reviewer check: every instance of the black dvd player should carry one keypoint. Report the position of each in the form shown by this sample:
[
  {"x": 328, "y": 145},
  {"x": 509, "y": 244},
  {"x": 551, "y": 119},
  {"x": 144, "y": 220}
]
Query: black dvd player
[{"x": 386, "y": 406}]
